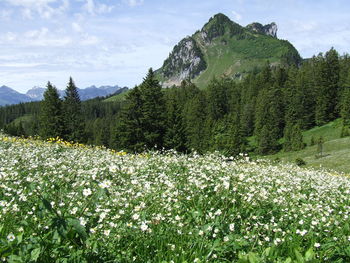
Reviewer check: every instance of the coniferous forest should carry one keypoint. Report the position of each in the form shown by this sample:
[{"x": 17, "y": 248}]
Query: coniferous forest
[{"x": 270, "y": 104}]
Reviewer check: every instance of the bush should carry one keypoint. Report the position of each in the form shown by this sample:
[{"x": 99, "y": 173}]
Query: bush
[{"x": 300, "y": 162}]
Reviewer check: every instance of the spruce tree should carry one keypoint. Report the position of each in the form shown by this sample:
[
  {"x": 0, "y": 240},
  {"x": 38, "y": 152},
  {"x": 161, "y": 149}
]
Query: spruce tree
[
  {"x": 345, "y": 108},
  {"x": 196, "y": 123},
  {"x": 129, "y": 129},
  {"x": 153, "y": 111},
  {"x": 297, "y": 142},
  {"x": 72, "y": 113},
  {"x": 175, "y": 137},
  {"x": 51, "y": 118},
  {"x": 269, "y": 120},
  {"x": 327, "y": 81}
]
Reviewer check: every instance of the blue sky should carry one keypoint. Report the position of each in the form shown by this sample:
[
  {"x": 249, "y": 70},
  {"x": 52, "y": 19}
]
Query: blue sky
[{"x": 109, "y": 42}]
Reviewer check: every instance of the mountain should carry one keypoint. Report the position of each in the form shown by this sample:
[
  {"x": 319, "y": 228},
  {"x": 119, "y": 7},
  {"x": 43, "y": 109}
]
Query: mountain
[
  {"x": 36, "y": 93},
  {"x": 93, "y": 92},
  {"x": 223, "y": 48},
  {"x": 9, "y": 96}
]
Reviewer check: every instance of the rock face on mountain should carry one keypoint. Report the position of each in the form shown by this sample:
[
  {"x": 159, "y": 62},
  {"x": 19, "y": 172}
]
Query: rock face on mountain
[
  {"x": 36, "y": 93},
  {"x": 269, "y": 29},
  {"x": 223, "y": 48},
  {"x": 186, "y": 61}
]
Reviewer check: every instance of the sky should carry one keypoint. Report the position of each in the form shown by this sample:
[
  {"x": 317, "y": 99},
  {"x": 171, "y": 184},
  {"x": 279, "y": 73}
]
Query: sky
[{"x": 115, "y": 42}]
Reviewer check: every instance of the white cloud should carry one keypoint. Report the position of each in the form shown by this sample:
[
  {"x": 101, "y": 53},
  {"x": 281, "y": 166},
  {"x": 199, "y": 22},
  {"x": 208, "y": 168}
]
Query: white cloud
[
  {"x": 76, "y": 27},
  {"x": 236, "y": 16},
  {"x": 89, "y": 40},
  {"x": 5, "y": 14},
  {"x": 42, "y": 7},
  {"x": 90, "y": 6},
  {"x": 96, "y": 8},
  {"x": 133, "y": 3}
]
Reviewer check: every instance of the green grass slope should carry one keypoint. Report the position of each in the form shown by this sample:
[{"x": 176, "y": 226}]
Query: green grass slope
[
  {"x": 233, "y": 57},
  {"x": 228, "y": 50},
  {"x": 336, "y": 150},
  {"x": 117, "y": 98}
]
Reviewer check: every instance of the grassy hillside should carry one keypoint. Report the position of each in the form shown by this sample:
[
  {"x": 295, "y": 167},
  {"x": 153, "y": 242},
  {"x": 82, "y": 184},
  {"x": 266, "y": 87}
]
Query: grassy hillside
[
  {"x": 234, "y": 57},
  {"x": 336, "y": 150},
  {"x": 223, "y": 48},
  {"x": 118, "y": 97},
  {"x": 71, "y": 203}
]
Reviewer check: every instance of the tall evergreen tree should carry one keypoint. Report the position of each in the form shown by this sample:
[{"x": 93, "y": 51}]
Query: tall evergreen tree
[
  {"x": 72, "y": 112},
  {"x": 196, "y": 125},
  {"x": 153, "y": 111},
  {"x": 327, "y": 81},
  {"x": 129, "y": 129},
  {"x": 51, "y": 118},
  {"x": 269, "y": 121},
  {"x": 175, "y": 137}
]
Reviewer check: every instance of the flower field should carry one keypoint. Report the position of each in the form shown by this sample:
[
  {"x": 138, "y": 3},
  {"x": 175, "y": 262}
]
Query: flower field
[{"x": 62, "y": 202}]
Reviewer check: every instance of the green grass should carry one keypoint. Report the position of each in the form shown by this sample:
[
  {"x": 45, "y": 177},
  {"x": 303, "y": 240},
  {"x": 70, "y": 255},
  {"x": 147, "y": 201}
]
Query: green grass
[
  {"x": 117, "y": 98},
  {"x": 336, "y": 150},
  {"x": 71, "y": 203},
  {"x": 238, "y": 56}
]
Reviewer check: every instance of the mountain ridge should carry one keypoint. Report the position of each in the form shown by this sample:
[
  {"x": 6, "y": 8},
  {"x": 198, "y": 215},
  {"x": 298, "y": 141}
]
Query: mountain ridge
[
  {"x": 223, "y": 48},
  {"x": 9, "y": 96}
]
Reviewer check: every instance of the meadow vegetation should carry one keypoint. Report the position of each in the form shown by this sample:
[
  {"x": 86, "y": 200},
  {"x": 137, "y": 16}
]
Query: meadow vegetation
[{"x": 64, "y": 202}]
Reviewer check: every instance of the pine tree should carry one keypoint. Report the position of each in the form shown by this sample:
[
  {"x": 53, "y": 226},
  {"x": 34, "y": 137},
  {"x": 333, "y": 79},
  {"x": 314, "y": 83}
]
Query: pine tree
[
  {"x": 196, "y": 124},
  {"x": 217, "y": 97},
  {"x": 345, "y": 108},
  {"x": 175, "y": 137},
  {"x": 297, "y": 138},
  {"x": 72, "y": 112},
  {"x": 269, "y": 120},
  {"x": 51, "y": 118},
  {"x": 327, "y": 81},
  {"x": 129, "y": 129},
  {"x": 153, "y": 111},
  {"x": 288, "y": 131}
]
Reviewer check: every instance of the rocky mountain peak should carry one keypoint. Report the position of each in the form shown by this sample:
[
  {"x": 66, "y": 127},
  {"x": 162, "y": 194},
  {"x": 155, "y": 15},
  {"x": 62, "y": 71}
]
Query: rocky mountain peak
[
  {"x": 269, "y": 29},
  {"x": 219, "y": 25},
  {"x": 185, "y": 61}
]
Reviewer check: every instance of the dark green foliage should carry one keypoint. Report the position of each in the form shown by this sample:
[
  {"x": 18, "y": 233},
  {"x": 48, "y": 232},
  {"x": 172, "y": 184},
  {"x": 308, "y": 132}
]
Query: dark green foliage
[
  {"x": 175, "y": 136},
  {"x": 297, "y": 142},
  {"x": 72, "y": 114},
  {"x": 197, "y": 126},
  {"x": 153, "y": 111},
  {"x": 327, "y": 84},
  {"x": 129, "y": 129},
  {"x": 217, "y": 97},
  {"x": 300, "y": 162},
  {"x": 51, "y": 115},
  {"x": 142, "y": 122},
  {"x": 269, "y": 120},
  {"x": 219, "y": 25},
  {"x": 345, "y": 106}
]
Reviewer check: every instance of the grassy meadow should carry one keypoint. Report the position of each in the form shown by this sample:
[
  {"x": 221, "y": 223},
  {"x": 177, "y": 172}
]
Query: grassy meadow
[
  {"x": 335, "y": 152},
  {"x": 63, "y": 202}
]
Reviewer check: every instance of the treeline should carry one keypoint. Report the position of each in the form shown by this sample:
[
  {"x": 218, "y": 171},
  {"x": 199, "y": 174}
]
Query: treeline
[{"x": 266, "y": 106}]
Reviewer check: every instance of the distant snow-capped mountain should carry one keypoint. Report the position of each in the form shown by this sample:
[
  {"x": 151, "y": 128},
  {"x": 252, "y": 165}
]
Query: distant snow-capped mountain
[{"x": 9, "y": 96}]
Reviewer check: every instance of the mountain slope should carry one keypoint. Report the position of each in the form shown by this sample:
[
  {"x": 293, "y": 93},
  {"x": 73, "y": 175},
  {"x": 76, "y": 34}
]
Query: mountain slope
[
  {"x": 9, "y": 96},
  {"x": 335, "y": 150},
  {"x": 223, "y": 48}
]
